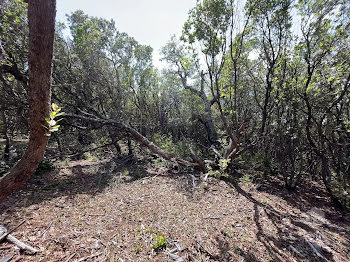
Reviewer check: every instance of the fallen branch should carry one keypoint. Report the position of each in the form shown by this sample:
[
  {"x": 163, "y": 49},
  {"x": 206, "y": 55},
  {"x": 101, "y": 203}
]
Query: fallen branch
[
  {"x": 315, "y": 249},
  {"x": 47, "y": 229},
  {"x": 5, "y": 234},
  {"x": 142, "y": 140},
  {"x": 6, "y": 258},
  {"x": 13, "y": 240},
  {"x": 21, "y": 245},
  {"x": 88, "y": 150},
  {"x": 295, "y": 250}
]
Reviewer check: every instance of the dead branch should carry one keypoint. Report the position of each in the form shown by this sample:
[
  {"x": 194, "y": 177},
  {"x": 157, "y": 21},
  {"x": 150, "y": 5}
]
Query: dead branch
[
  {"x": 315, "y": 249},
  {"x": 13, "y": 240},
  {"x": 234, "y": 144},
  {"x": 6, "y": 233},
  {"x": 90, "y": 149},
  {"x": 21, "y": 245},
  {"x": 6, "y": 258}
]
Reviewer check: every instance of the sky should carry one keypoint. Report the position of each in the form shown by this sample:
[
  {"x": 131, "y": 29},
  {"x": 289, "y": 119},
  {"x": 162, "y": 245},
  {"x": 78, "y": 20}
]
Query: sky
[{"x": 150, "y": 22}]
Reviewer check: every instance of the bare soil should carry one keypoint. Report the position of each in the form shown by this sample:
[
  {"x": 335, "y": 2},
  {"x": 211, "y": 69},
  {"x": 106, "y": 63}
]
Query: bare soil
[{"x": 113, "y": 210}]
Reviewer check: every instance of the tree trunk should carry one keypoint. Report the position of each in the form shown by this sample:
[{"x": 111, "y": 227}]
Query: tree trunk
[
  {"x": 41, "y": 17},
  {"x": 209, "y": 124},
  {"x": 6, "y": 137}
]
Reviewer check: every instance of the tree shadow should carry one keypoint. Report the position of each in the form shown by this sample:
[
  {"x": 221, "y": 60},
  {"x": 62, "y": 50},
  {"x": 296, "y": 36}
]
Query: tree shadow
[
  {"x": 91, "y": 178},
  {"x": 72, "y": 178},
  {"x": 282, "y": 244},
  {"x": 308, "y": 196}
]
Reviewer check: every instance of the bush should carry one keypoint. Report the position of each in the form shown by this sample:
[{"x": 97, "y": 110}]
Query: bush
[
  {"x": 44, "y": 167},
  {"x": 181, "y": 148}
]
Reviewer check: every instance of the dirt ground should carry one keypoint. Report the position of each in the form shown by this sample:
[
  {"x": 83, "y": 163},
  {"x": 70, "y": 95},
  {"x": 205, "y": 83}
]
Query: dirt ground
[{"x": 120, "y": 210}]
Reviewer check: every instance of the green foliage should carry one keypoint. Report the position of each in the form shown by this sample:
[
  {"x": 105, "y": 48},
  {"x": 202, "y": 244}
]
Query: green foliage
[
  {"x": 138, "y": 249},
  {"x": 222, "y": 171},
  {"x": 52, "y": 120},
  {"x": 44, "y": 167},
  {"x": 245, "y": 179},
  {"x": 159, "y": 243},
  {"x": 207, "y": 23},
  {"x": 136, "y": 174},
  {"x": 126, "y": 172},
  {"x": 180, "y": 148}
]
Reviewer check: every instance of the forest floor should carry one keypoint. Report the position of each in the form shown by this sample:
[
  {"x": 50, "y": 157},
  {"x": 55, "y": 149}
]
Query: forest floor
[{"x": 120, "y": 210}]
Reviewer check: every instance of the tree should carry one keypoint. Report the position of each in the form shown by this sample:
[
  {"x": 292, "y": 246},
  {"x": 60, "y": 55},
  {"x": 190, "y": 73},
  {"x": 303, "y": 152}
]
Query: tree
[{"x": 41, "y": 17}]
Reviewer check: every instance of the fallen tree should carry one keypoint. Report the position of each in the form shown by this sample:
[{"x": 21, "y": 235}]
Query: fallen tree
[
  {"x": 231, "y": 151},
  {"x": 197, "y": 161}
]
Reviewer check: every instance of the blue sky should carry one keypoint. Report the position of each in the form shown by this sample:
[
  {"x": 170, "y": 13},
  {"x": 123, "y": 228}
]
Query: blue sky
[{"x": 150, "y": 22}]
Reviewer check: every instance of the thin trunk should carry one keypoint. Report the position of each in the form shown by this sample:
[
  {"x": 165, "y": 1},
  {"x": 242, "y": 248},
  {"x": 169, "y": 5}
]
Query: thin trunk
[
  {"x": 6, "y": 137},
  {"x": 130, "y": 153}
]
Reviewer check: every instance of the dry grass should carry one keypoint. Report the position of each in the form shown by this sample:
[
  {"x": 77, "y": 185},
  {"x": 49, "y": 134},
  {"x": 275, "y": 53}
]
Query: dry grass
[{"x": 114, "y": 211}]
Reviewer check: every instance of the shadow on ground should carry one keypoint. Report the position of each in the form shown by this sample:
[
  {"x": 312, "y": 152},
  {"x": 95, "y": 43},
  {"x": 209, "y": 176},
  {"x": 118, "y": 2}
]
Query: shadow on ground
[{"x": 86, "y": 177}]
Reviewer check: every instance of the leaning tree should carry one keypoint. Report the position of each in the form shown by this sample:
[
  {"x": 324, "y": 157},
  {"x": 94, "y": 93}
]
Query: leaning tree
[{"x": 41, "y": 18}]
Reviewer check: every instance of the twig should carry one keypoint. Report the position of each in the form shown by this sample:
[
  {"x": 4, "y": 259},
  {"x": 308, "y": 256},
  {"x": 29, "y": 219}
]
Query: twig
[
  {"x": 295, "y": 251},
  {"x": 3, "y": 236},
  {"x": 315, "y": 249},
  {"x": 71, "y": 256},
  {"x": 47, "y": 229},
  {"x": 85, "y": 258},
  {"x": 21, "y": 245}
]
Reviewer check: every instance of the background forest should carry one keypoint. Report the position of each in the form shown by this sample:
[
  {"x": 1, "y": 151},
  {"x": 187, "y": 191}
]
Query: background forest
[
  {"x": 264, "y": 86},
  {"x": 238, "y": 149}
]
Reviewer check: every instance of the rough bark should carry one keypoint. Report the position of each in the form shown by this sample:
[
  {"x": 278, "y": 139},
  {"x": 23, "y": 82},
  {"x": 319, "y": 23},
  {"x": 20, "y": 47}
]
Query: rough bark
[{"x": 41, "y": 17}]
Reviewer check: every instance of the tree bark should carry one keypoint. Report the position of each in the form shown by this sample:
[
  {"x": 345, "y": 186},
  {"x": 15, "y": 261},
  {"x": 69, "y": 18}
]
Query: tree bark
[
  {"x": 208, "y": 119},
  {"x": 41, "y": 17}
]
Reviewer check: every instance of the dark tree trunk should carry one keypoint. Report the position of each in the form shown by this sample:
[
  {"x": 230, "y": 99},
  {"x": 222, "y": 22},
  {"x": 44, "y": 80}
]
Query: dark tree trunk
[
  {"x": 209, "y": 124},
  {"x": 130, "y": 153},
  {"x": 6, "y": 137},
  {"x": 266, "y": 104},
  {"x": 41, "y": 17},
  {"x": 208, "y": 119}
]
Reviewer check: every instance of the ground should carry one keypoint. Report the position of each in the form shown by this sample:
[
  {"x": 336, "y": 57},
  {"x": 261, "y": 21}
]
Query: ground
[{"x": 123, "y": 210}]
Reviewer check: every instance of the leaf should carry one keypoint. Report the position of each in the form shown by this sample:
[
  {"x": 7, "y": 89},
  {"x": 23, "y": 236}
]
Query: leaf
[
  {"x": 60, "y": 114},
  {"x": 54, "y": 107}
]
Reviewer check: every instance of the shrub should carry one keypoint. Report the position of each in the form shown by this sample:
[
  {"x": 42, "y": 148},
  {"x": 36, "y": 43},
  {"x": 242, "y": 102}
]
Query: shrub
[
  {"x": 166, "y": 143},
  {"x": 44, "y": 167}
]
